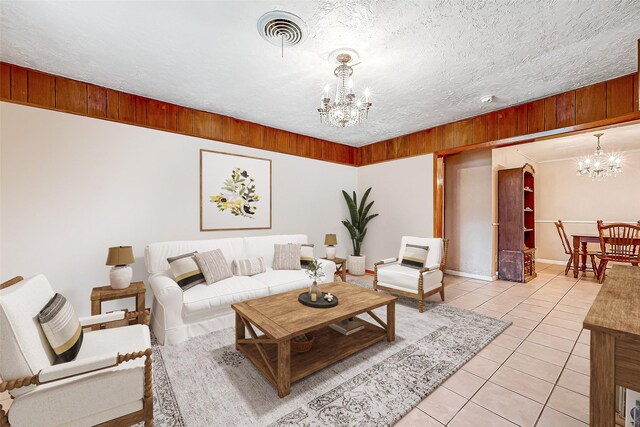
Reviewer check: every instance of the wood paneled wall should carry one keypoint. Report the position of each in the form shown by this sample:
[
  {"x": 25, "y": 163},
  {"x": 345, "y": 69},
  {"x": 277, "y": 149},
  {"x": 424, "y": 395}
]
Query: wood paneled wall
[
  {"x": 610, "y": 102},
  {"x": 613, "y": 101},
  {"x": 30, "y": 87}
]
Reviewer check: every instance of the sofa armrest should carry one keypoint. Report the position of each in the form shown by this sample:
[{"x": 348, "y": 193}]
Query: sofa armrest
[
  {"x": 101, "y": 318},
  {"x": 168, "y": 294},
  {"x": 329, "y": 268}
]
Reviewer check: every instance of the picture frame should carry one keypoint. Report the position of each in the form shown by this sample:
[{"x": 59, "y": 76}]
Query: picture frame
[{"x": 235, "y": 192}]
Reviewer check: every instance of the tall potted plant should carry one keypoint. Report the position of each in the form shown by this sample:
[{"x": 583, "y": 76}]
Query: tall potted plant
[{"x": 357, "y": 226}]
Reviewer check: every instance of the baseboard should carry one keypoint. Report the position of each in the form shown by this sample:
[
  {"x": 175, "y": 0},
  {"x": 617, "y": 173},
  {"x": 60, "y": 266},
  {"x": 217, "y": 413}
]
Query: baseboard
[
  {"x": 472, "y": 276},
  {"x": 551, "y": 261}
]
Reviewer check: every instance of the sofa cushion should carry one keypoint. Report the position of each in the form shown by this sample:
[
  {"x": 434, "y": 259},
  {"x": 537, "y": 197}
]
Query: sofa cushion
[
  {"x": 279, "y": 281},
  {"x": 186, "y": 271},
  {"x": 262, "y": 246},
  {"x": 406, "y": 278},
  {"x": 248, "y": 267},
  {"x": 286, "y": 257},
  {"x": 228, "y": 291},
  {"x": 101, "y": 393},
  {"x": 156, "y": 254},
  {"x": 214, "y": 266},
  {"x": 306, "y": 254}
]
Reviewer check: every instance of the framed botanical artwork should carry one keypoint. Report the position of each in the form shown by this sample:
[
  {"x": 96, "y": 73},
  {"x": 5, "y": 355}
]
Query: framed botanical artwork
[{"x": 235, "y": 192}]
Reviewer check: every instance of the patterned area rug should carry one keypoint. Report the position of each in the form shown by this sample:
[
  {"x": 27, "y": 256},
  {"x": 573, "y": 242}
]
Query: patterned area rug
[{"x": 204, "y": 381}]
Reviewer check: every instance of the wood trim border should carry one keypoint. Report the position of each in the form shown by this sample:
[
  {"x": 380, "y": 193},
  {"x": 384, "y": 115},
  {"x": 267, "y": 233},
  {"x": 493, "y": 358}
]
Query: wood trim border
[{"x": 20, "y": 85}]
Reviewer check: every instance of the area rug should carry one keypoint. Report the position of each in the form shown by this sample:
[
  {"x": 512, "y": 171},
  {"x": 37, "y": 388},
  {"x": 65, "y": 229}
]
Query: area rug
[{"x": 205, "y": 381}]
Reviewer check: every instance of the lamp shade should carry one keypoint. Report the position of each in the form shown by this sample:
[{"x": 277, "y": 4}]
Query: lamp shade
[
  {"x": 120, "y": 255},
  {"x": 330, "y": 240}
]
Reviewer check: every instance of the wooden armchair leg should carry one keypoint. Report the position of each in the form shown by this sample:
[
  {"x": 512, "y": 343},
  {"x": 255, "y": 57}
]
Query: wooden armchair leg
[
  {"x": 420, "y": 294},
  {"x": 569, "y": 263},
  {"x": 602, "y": 269},
  {"x": 442, "y": 292}
]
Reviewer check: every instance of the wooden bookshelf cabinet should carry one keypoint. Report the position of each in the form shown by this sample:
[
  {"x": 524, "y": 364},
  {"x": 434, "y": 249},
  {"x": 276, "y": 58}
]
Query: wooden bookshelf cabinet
[{"x": 517, "y": 227}]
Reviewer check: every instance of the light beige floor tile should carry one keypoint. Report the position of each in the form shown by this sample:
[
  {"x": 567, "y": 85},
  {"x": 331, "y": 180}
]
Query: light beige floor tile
[
  {"x": 519, "y": 321},
  {"x": 442, "y": 404},
  {"x": 582, "y": 350},
  {"x": 517, "y": 331},
  {"x": 481, "y": 367},
  {"x": 508, "y": 404},
  {"x": 507, "y": 341},
  {"x": 485, "y": 290},
  {"x": 536, "y": 367},
  {"x": 534, "y": 308},
  {"x": 490, "y": 313},
  {"x": 495, "y": 352},
  {"x": 473, "y": 415},
  {"x": 584, "y": 338},
  {"x": 464, "y": 383},
  {"x": 571, "y": 309},
  {"x": 542, "y": 352},
  {"x": 567, "y": 316},
  {"x": 570, "y": 403},
  {"x": 578, "y": 364},
  {"x": 567, "y": 324},
  {"x": 557, "y": 331},
  {"x": 541, "y": 303},
  {"x": 574, "y": 381},
  {"x": 527, "y": 314},
  {"x": 524, "y": 384},
  {"x": 552, "y": 418},
  {"x": 417, "y": 418},
  {"x": 552, "y": 341}
]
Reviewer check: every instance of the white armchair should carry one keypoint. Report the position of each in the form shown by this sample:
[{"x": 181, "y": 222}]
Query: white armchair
[
  {"x": 97, "y": 387},
  {"x": 416, "y": 283}
]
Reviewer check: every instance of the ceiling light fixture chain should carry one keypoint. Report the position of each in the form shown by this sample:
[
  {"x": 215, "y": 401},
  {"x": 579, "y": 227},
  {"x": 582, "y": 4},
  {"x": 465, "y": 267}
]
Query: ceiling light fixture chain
[
  {"x": 346, "y": 109},
  {"x": 599, "y": 165}
]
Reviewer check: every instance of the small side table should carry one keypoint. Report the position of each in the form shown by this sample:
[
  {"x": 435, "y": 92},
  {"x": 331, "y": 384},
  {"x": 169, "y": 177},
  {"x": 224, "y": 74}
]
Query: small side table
[
  {"x": 341, "y": 267},
  {"x": 106, "y": 293}
]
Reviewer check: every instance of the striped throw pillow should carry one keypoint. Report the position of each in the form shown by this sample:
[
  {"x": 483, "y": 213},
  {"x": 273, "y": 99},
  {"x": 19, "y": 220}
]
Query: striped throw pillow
[
  {"x": 61, "y": 327},
  {"x": 306, "y": 255},
  {"x": 414, "y": 256},
  {"x": 186, "y": 271},
  {"x": 248, "y": 267},
  {"x": 214, "y": 266},
  {"x": 286, "y": 257}
]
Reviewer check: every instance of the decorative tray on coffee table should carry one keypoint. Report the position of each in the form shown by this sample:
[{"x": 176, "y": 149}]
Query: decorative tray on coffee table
[{"x": 304, "y": 299}]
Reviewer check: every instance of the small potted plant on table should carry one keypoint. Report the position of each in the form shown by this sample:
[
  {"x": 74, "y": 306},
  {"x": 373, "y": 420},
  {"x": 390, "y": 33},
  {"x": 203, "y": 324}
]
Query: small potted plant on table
[{"x": 315, "y": 272}]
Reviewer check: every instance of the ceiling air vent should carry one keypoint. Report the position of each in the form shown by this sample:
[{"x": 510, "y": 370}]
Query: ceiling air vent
[{"x": 282, "y": 28}]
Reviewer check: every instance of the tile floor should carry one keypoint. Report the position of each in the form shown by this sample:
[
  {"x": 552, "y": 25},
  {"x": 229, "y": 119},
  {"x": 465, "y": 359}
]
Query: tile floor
[{"x": 536, "y": 373}]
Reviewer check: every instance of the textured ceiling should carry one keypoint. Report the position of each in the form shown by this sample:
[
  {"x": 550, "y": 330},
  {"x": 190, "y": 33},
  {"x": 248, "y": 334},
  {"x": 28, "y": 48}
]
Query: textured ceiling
[
  {"x": 619, "y": 140},
  {"x": 427, "y": 62}
]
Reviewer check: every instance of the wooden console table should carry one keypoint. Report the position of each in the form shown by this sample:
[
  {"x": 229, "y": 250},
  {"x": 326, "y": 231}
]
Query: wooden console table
[
  {"x": 615, "y": 342},
  {"x": 107, "y": 293}
]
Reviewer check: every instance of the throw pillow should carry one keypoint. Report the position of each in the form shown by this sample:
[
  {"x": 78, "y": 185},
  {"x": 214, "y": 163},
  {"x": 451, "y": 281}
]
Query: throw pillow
[
  {"x": 306, "y": 255},
  {"x": 61, "y": 327},
  {"x": 213, "y": 265},
  {"x": 186, "y": 271},
  {"x": 286, "y": 257},
  {"x": 248, "y": 267},
  {"x": 414, "y": 255}
]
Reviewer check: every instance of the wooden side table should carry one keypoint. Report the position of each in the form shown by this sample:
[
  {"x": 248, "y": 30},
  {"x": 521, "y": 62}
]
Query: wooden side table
[
  {"x": 341, "y": 267},
  {"x": 106, "y": 293}
]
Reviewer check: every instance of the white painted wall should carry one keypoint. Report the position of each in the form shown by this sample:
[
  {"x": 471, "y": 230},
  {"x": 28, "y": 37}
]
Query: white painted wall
[
  {"x": 403, "y": 191},
  {"x": 468, "y": 213},
  {"x": 72, "y": 186}
]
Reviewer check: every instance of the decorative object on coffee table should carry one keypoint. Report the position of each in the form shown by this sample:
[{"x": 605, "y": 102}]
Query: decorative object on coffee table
[
  {"x": 357, "y": 226},
  {"x": 320, "y": 302},
  {"x": 106, "y": 293},
  {"x": 120, "y": 275},
  {"x": 330, "y": 242},
  {"x": 282, "y": 318},
  {"x": 315, "y": 272}
]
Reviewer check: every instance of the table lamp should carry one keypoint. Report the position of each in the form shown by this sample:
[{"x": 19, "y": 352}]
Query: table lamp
[
  {"x": 330, "y": 241},
  {"x": 120, "y": 275}
]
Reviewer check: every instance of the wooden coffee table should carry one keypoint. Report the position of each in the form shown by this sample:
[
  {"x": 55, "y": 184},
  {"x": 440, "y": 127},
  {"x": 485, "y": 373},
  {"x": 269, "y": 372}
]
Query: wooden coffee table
[{"x": 281, "y": 317}]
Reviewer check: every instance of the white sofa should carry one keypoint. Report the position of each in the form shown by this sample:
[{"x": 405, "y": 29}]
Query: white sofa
[{"x": 177, "y": 315}]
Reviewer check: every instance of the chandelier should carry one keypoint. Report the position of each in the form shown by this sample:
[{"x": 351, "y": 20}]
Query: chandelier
[
  {"x": 599, "y": 165},
  {"x": 346, "y": 109}
]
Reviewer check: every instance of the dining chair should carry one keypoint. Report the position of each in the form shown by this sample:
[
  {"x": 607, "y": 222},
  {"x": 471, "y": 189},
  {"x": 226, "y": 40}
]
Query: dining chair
[
  {"x": 566, "y": 244},
  {"x": 619, "y": 242}
]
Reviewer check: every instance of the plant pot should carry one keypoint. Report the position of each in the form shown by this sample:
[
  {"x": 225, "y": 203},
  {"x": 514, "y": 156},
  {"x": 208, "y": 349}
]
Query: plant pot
[{"x": 356, "y": 265}]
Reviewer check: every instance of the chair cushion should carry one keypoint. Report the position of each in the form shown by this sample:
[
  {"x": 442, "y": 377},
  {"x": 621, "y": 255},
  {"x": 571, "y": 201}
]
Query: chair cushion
[
  {"x": 406, "y": 278},
  {"x": 434, "y": 254},
  {"x": 202, "y": 298},
  {"x": 286, "y": 256},
  {"x": 24, "y": 349},
  {"x": 185, "y": 270},
  {"x": 248, "y": 267},
  {"x": 214, "y": 266},
  {"x": 89, "y": 398},
  {"x": 61, "y": 327},
  {"x": 414, "y": 256},
  {"x": 279, "y": 281}
]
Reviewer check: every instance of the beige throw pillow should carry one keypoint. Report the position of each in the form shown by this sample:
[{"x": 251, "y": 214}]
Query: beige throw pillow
[
  {"x": 286, "y": 257},
  {"x": 213, "y": 265}
]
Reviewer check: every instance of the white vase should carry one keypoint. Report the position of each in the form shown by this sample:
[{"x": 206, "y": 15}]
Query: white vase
[
  {"x": 331, "y": 252},
  {"x": 356, "y": 265},
  {"x": 120, "y": 276}
]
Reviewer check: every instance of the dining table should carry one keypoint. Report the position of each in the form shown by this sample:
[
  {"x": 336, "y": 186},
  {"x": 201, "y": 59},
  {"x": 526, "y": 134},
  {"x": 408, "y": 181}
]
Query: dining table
[{"x": 580, "y": 242}]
